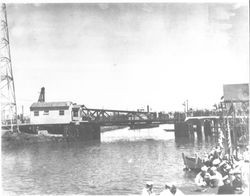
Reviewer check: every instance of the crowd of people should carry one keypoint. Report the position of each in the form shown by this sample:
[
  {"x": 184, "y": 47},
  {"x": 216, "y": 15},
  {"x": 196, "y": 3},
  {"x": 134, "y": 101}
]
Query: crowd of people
[{"x": 227, "y": 173}]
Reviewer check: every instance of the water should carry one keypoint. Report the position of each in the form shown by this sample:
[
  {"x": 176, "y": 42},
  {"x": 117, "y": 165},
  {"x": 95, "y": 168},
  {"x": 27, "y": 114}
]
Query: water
[{"x": 120, "y": 164}]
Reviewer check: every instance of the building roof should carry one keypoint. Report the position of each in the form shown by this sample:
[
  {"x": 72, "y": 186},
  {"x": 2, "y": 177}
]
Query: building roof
[
  {"x": 50, "y": 105},
  {"x": 76, "y": 106}
]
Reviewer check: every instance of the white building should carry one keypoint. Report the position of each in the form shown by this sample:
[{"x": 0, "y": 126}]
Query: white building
[{"x": 54, "y": 112}]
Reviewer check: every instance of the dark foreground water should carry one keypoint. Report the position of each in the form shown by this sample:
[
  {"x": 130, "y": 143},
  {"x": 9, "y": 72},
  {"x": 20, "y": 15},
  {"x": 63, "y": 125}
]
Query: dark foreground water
[{"x": 120, "y": 164}]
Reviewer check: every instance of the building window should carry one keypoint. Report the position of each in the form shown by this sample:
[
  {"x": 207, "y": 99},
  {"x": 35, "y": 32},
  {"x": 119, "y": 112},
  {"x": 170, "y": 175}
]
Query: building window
[
  {"x": 75, "y": 113},
  {"x": 36, "y": 113},
  {"x": 61, "y": 112},
  {"x": 46, "y": 112}
]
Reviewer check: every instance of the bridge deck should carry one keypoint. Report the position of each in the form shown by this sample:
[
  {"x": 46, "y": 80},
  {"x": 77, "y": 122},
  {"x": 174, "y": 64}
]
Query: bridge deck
[
  {"x": 103, "y": 123},
  {"x": 202, "y": 118}
]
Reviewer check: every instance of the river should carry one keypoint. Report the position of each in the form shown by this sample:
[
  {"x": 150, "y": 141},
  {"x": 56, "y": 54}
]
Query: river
[{"x": 120, "y": 164}]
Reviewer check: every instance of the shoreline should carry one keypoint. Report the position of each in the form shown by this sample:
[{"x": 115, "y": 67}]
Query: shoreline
[{"x": 12, "y": 138}]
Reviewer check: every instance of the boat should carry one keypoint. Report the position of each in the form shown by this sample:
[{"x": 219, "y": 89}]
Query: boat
[
  {"x": 169, "y": 130},
  {"x": 192, "y": 163}
]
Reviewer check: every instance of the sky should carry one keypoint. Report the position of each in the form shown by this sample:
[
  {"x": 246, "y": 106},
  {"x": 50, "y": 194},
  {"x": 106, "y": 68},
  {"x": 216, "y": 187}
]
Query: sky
[{"x": 128, "y": 56}]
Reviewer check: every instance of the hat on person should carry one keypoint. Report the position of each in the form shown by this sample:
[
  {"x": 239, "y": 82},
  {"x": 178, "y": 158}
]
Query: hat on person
[
  {"x": 168, "y": 185},
  {"x": 213, "y": 168},
  {"x": 227, "y": 166},
  {"x": 216, "y": 161},
  {"x": 149, "y": 183},
  {"x": 204, "y": 168},
  {"x": 231, "y": 171},
  {"x": 227, "y": 181},
  {"x": 223, "y": 163}
]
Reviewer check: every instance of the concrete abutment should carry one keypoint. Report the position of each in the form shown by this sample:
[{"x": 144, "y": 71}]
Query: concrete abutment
[{"x": 82, "y": 132}]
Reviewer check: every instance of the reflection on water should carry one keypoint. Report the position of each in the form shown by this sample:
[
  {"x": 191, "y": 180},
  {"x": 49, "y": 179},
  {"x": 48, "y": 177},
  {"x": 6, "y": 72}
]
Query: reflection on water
[{"x": 120, "y": 164}]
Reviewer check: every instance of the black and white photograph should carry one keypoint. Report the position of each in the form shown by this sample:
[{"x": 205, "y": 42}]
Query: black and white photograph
[{"x": 125, "y": 97}]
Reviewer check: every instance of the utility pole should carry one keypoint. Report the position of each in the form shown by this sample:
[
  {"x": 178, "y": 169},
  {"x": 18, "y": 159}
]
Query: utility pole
[
  {"x": 185, "y": 104},
  {"x": 22, "y": 119},
  {"x": 8, "y": 97}
]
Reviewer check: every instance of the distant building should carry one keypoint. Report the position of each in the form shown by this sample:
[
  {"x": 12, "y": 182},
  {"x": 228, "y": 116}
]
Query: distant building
[
  {"x": 236, "y": 92},
  {"x": 238, "y": 95},
  {"x": 54, "y": 112}
]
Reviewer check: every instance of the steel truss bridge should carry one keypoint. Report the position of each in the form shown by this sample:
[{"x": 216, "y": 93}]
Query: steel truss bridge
[{"x": 107, "y": 117}]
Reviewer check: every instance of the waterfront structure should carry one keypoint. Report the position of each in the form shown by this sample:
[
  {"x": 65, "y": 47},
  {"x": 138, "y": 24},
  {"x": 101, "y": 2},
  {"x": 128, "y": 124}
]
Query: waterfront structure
[
  {"x": 60, "y": 118},
  {"x": 79, "y": 122},
  {"x": 52, "y": 113},
  {"x": 231, "y": 123},
  {"x": 235, "y": 110}
]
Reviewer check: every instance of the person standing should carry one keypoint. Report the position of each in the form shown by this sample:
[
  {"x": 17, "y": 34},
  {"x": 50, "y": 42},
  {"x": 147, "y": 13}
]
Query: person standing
[
  {"x": 166, "y": 191},
  {"x": 171, "y": 190},
  {"x": 148, "y": 189},
  {"x": 176, "y": 191}
]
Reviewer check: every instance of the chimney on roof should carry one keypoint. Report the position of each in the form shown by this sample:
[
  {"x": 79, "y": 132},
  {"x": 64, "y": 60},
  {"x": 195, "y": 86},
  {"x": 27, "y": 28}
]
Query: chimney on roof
[{"x": 42, "y": 95}]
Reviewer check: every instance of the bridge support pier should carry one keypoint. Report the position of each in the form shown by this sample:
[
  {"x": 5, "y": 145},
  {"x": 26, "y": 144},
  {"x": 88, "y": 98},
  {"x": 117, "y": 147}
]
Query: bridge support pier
[
  {"x": 82, "y": 132},
  {"x": 188, "y": 129},
  {"x": 181, "y": 129},
  {"x": 199, "y": 129},
  {"x": 207, "y": 128},
  {"x": 216, "y": 127}
]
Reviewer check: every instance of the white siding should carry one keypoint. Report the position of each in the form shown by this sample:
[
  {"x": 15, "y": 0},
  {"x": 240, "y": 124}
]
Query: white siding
[{"x": 52, "y": 118}]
